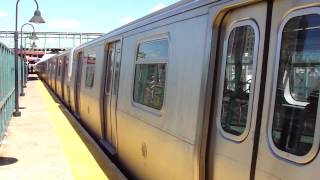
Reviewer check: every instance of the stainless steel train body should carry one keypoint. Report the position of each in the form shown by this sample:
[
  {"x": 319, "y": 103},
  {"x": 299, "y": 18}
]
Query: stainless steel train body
[
  {"x": 203, "y": 90},
  {"x": 63, "y": 75},
  {"x": 41, "y": 69}
]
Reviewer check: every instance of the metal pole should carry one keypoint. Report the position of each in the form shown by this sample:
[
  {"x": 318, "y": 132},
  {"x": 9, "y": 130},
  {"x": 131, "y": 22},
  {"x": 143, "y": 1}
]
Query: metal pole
[
  {"x": 22, "y": 56},
  {"x": 25, "y": 70},
  {"x": 22, "y": 73},
  {"x": 17, "y": 112}
]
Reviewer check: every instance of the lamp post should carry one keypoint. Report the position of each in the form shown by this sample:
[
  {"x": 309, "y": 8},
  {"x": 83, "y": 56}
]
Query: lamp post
[
  {"x": 35, "y": 19},
  {"x": 24, "y": 75},
  {"x": 32, "y": 37}
]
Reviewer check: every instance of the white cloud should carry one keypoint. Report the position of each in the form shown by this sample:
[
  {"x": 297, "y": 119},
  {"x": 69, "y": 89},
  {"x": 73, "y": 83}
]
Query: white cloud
[
  {"x": 3, "y": 14},
  {"x": 158, "y": 7},
  {"x": 64, "y": 24},
  {"x": 127, "y": 19}
]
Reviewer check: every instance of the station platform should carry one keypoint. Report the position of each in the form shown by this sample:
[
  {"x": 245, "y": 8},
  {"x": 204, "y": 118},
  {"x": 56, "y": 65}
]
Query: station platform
[{"x": 46, "y": 142}]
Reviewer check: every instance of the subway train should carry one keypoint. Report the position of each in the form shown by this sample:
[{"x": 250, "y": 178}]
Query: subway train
[{"x": 202, "y": 89}]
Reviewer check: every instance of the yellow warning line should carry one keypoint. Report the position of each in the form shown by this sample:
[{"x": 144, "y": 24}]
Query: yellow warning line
[{"x": 82, "y": 163}]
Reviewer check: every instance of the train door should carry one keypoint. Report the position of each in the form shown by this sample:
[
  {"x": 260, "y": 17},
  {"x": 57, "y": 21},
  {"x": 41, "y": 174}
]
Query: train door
[
  {"x": 63, "y": 66},
  {"x": 78, "y": 83},
  {"x": 56, "y": 70},
  {"x": 53, "y": 74},
  {"x": 290, "y": 128},
  {"x": 58, "y": 76},
  {"x": 49, "y": 71},
  {"x": 66, "y": 90},
  {"x": 113, "y": 60},
  {"x": 236, "y": 91}
]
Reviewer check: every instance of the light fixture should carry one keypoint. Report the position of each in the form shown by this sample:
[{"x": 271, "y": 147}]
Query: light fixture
[
  {"x": 33, "y": 36},
  {"x": 33, "y": 45},
  {"x": 37, "y": 18}
]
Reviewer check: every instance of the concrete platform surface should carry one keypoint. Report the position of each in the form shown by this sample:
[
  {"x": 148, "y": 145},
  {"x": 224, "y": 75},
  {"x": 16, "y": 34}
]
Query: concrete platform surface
[{"x": 44, "y": 144}]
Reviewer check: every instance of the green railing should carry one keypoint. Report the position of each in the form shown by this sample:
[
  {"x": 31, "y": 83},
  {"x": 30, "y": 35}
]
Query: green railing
[{"x": 7, "y": 95}]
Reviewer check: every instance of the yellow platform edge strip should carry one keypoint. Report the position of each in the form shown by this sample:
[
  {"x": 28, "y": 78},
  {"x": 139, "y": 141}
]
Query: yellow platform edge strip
[{"x": 81, "y": 161}]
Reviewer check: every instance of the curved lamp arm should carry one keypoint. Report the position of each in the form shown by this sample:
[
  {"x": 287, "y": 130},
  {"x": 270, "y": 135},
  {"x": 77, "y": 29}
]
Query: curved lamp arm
[
  {"x": 21, "y": 32},
  {"x": 17, "y": 4},
  {"x": 36, "y": 4}
]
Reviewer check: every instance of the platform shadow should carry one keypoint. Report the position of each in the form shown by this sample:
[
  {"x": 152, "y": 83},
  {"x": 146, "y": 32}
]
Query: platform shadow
[
  {"x": 4, "y": 161},
  {"x": 33, "y": 78}
]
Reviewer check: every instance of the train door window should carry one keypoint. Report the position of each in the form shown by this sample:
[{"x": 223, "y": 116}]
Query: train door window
[
  {"x": 150, "y": 73},
  {"x": 59, "y": 67},
  {"x": 237, "y": 80},
  {"x": 66, "y": 62},
  {"x": 91, "y": 61},
  {"x": 294, "y": 131}
]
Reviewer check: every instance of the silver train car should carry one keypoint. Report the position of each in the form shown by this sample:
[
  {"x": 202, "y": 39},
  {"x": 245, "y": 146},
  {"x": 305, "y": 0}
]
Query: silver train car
[{"x": 203, "y": 89}]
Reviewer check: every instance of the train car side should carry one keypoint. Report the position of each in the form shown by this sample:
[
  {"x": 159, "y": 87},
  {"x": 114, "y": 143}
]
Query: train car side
[{"x": 203, "y": 90}]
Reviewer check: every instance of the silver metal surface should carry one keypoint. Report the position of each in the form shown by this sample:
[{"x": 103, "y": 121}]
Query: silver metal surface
[
  {"x": 230, "y": 156},
  {"x": 172, "y": 144}
]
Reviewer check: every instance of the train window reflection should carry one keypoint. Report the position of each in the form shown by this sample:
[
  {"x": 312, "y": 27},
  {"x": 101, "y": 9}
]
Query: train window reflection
[
  {"x": 293, "y": 126},
  {"x": 90, "y": 69},
  {"x": 157, "y": 49},
  {"x": 59, "y": 67},
  {"x": 150, "y": 73},
  {"x": 66, "y": 62},
  {"x": 238, "y": 82}
]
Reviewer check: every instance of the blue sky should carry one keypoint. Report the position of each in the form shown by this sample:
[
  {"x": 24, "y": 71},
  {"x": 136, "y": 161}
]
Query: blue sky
[{"x": 99, "y": 16}]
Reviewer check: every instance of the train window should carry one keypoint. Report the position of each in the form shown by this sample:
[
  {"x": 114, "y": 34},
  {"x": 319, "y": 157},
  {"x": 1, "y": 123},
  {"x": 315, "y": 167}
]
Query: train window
[
  {"x": 238, "y": 78},
  {"x": 157, "y": 49},
  {"x": 91, "y": 61},
  {"x": 150, "y": 73},
  {"x": 295, "y": 115}
]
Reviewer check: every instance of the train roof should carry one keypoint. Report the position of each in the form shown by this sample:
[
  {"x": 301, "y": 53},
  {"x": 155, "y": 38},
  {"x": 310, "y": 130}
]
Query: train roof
[
  {"x": 51, "y": 56},
  {"x": 169, "y": 11}
]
